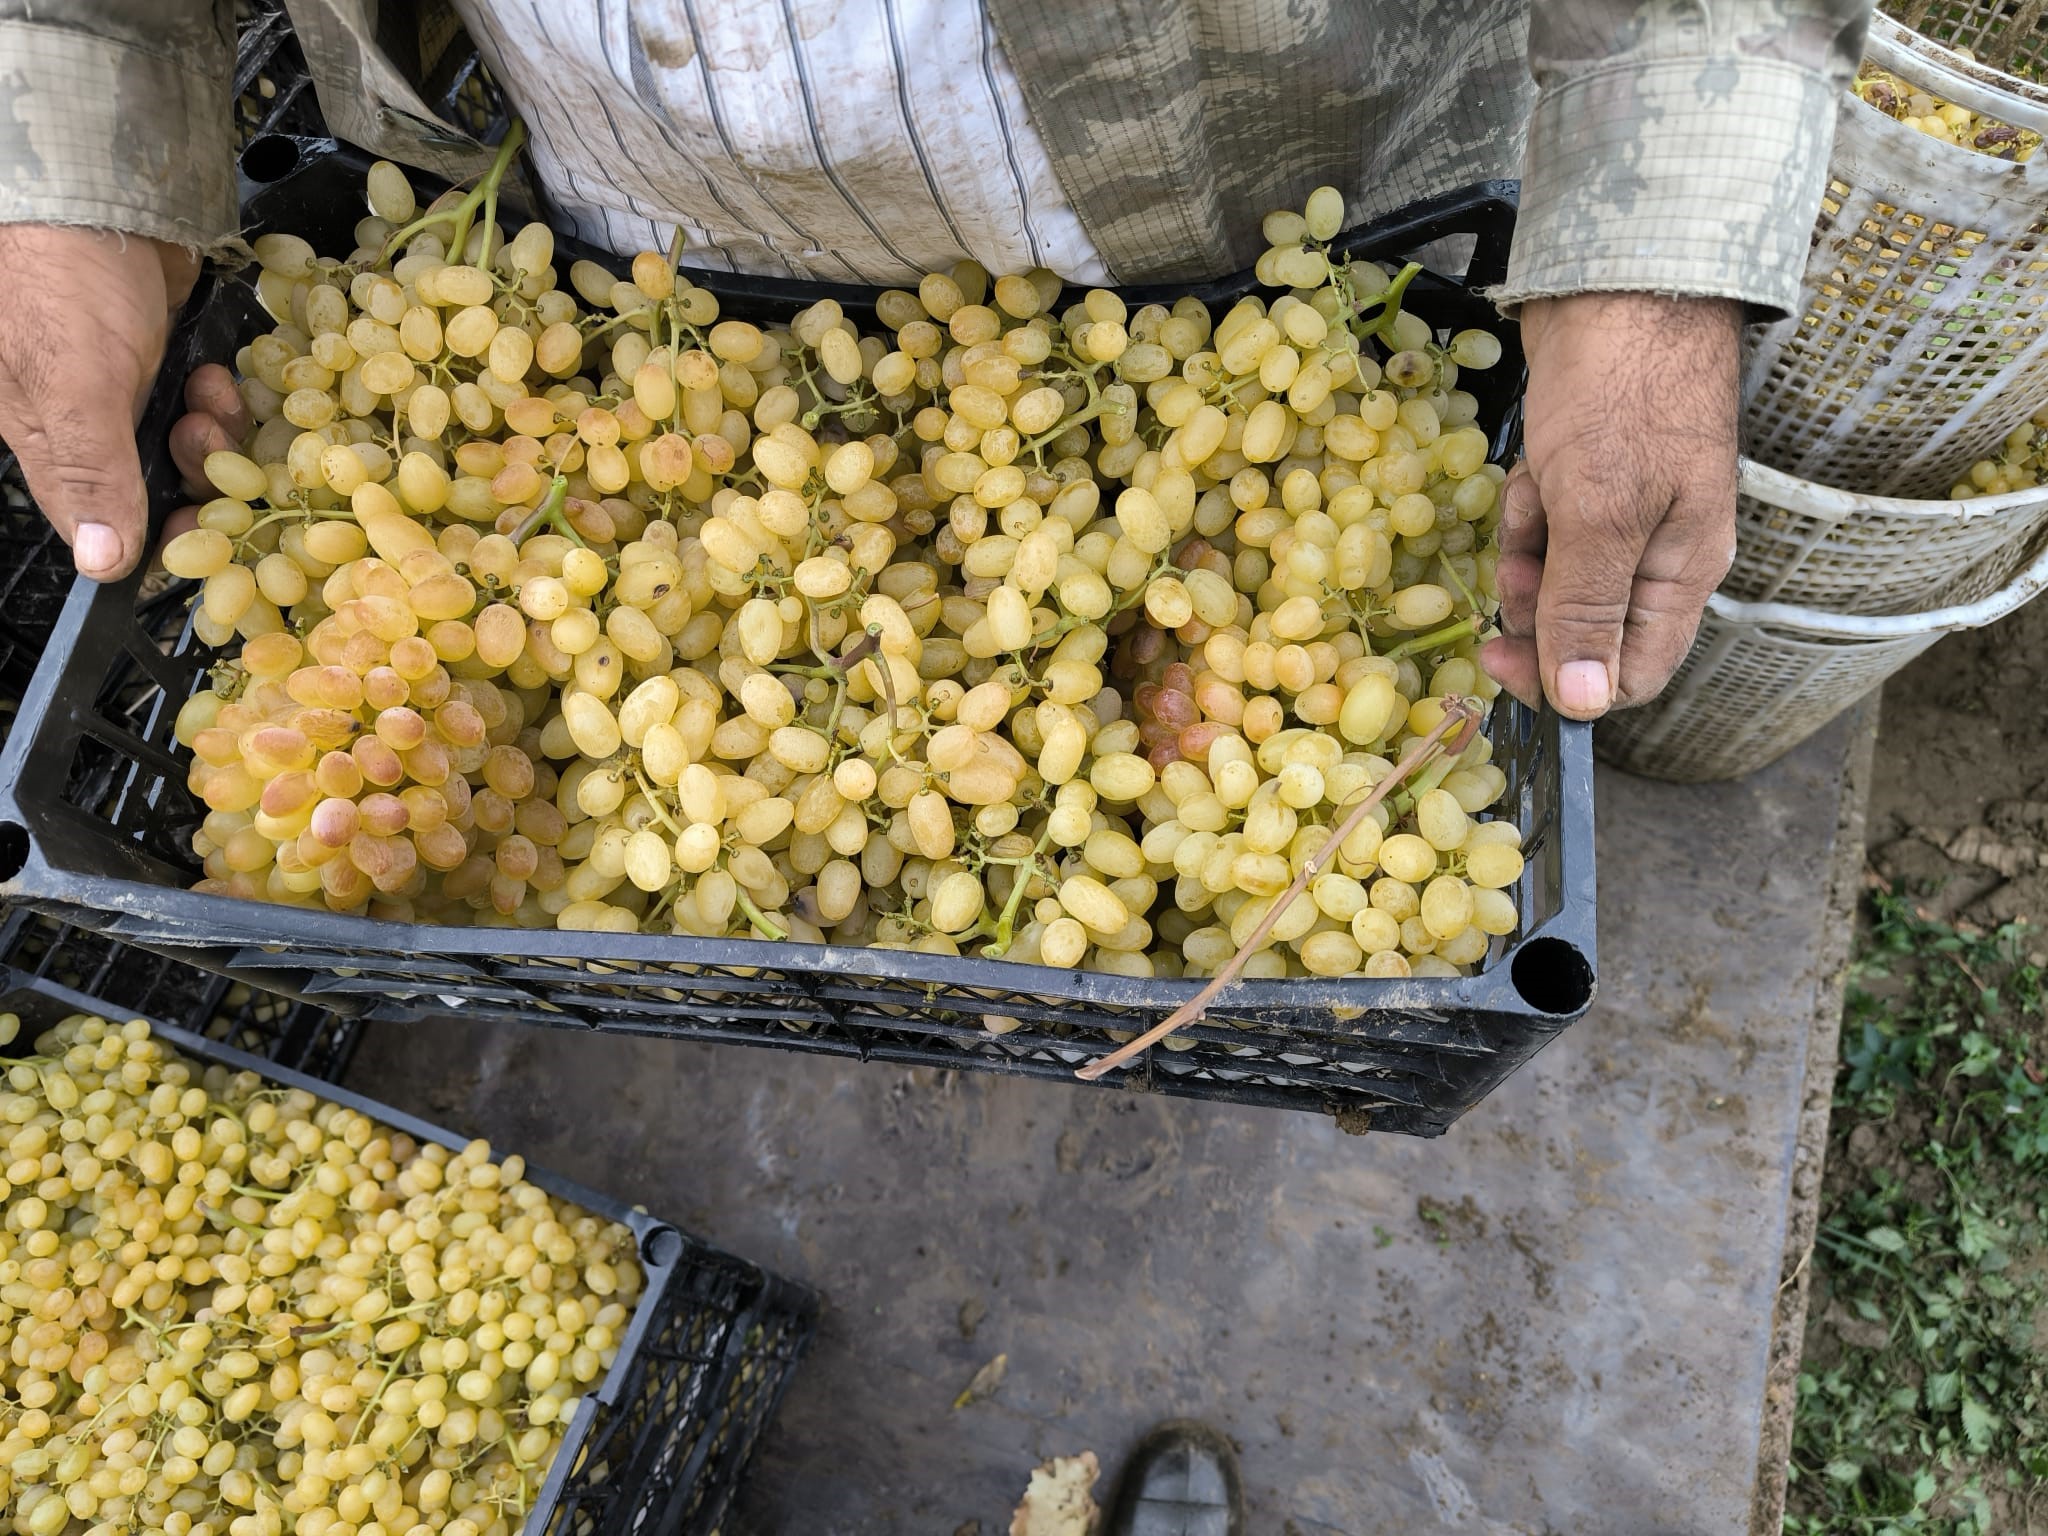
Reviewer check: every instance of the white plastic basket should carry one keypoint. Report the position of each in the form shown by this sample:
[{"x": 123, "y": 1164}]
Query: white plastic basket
[
  {"x": 1923, "y": 337},
  {"x": 1815, "y": 545},
  {"x": 1762, "y": 677},
  {"x": 2007, "y": 35}
]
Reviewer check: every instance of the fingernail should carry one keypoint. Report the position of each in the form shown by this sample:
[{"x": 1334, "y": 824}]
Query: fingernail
[
  {"x": 96, "y": 547},
  {"x": 1582, "y": 687}
]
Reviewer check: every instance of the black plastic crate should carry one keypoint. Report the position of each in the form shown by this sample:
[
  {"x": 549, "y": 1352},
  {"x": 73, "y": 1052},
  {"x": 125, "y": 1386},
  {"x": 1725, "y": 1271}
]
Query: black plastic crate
[
  {"x": 709, "y": 1350},
  {"x": 1408, "y": 1055},
  {"x": 273, "y": 89},
  {"x": 35, "y": 576},
  {"x": 136, "y": 983}
]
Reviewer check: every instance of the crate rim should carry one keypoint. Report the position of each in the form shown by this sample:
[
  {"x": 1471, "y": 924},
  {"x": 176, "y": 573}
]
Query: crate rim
[
  {"x": 32, "y": 880},
  {"x": 662, "y": 1248}
]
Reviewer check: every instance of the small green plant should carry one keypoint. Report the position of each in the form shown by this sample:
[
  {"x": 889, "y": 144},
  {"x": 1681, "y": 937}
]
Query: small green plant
[{"x": 1932, "y": 1414}]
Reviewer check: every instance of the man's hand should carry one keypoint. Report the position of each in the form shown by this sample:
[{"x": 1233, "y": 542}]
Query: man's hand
[
  {"x": 1620, "y": 521},
  {"x": 84, "y": 315}
]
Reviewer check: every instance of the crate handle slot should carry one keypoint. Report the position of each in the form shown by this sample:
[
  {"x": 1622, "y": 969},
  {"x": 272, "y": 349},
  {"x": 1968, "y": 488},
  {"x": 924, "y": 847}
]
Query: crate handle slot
[
  {"x": 270, "y": 158},
  {"x": 662, "y": 1247},
  {"x": 1552, "y": 976}
]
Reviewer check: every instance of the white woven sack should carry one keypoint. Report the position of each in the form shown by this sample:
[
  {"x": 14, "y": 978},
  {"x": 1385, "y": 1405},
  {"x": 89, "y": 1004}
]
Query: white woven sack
[{"x": 1923, "y": 339}]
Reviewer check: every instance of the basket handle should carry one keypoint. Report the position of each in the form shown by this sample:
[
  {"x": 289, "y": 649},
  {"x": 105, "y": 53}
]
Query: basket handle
[{"x": 2029, "y": 583}]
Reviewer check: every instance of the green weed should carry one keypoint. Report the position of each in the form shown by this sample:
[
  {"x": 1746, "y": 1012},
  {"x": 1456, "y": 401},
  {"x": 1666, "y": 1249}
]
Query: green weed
[{"x": 1924, "y": 1404}]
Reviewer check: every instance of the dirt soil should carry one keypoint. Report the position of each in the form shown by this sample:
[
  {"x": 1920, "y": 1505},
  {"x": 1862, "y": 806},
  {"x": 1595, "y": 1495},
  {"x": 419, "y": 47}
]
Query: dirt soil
[{"x": 1959, "y": 791}]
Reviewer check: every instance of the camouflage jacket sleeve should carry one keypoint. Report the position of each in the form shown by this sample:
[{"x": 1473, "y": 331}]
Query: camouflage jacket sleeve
[
  {"x": 1679, "y": 147},
  {"x": 117, "y": 115}
]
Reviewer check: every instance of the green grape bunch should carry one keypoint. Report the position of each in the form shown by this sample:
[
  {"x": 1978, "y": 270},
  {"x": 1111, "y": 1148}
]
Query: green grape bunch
[
  {"x": 234, "y": 1309},
  {"x": 1058, "y": 632}
]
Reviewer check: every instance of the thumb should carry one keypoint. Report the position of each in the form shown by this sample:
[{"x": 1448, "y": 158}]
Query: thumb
[
  {"x": 1582, "y": 607},
  {"x": 83, "y": 470}
]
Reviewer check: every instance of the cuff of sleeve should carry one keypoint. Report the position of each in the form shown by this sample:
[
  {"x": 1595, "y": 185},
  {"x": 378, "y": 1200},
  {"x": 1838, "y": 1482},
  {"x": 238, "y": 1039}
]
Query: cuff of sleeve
[
  {"x": 100, "y": 133},
  {"x": 1696, "y": 177}
]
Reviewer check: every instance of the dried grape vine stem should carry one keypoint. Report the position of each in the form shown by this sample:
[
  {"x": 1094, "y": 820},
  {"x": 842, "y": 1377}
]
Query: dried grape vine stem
[{"x": 1459, "y": 716}]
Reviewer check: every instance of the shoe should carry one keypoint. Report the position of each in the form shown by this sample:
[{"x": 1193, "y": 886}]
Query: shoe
[{"x": 1181, "y": 1481}]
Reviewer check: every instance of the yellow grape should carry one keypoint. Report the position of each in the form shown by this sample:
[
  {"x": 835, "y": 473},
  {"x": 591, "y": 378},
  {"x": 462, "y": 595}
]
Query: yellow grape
[{"x": 1074, "y": 641}]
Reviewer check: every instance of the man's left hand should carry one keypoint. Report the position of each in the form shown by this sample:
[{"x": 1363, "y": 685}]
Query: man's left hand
[{"x": 1620, "y": 521}]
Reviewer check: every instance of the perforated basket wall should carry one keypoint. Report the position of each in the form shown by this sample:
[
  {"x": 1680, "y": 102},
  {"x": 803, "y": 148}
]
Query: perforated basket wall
[
  {"x": 1745, "y": 696},
  {"x": 1923, "y": 335},
  {"x": 273, "y": 93},
  {"x": 664, "y": 1455},
  {"x": 127, "y": 982},
  {"x": 1798, "y": 542},
  {"x": 2009, "y": 35},
  {"x": 659, "y": 1446},
  {"x": 1761, "y": 678},
  {"x": 35, "y": 575},
  {"x": 273, "y": 89}
]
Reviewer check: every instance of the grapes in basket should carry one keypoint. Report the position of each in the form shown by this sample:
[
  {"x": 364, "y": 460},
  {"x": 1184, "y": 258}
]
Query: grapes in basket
[
  {"x": 1945, "y": 120},
  {"x": 1061, "y": 634}
]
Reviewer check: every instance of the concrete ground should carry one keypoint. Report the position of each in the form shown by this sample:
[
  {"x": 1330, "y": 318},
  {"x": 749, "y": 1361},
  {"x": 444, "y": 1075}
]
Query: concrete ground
[{"x": 1559, "y": 1318}]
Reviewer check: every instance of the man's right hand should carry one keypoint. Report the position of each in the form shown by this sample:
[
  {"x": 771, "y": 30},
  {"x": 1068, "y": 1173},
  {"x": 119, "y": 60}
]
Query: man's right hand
[{"x": 84, "y": 315}]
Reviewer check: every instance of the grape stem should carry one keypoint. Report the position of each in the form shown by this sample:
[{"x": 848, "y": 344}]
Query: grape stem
[
  {"x": 484, "y": 194},
  {"x": 1390, "y": 298},
  {"x": 215, "y": 1214},
  {"x": 1416, "y": 644},
  {"x": 490, "y": 217},
  {"x": 1460, "y": 718},
  {"x": 757, "y": 918},
  {"x": 1424, "y": 782},
  {"x": 1123, "y": 602},
  {"x": 857, "y": 399},
  {"x": 1443, "y": 563},
  {"x": 654, "y": 803},
  {"x": 369, "y": 1408},
  {"x": 827, "y": 673},
  {"x": 861, "y": 649},
  {"x": 551, "y": 514},
  {"x": 341, "y": 514},
  {"x": 1095, "y": 407},
  {"x": 1025, "y": 869}
]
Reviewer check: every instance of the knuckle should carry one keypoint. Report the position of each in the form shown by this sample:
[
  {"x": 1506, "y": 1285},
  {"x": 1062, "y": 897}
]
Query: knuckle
[
  {"x": 98, "y": 486},
  {"x": 1576, "y": 614}
]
